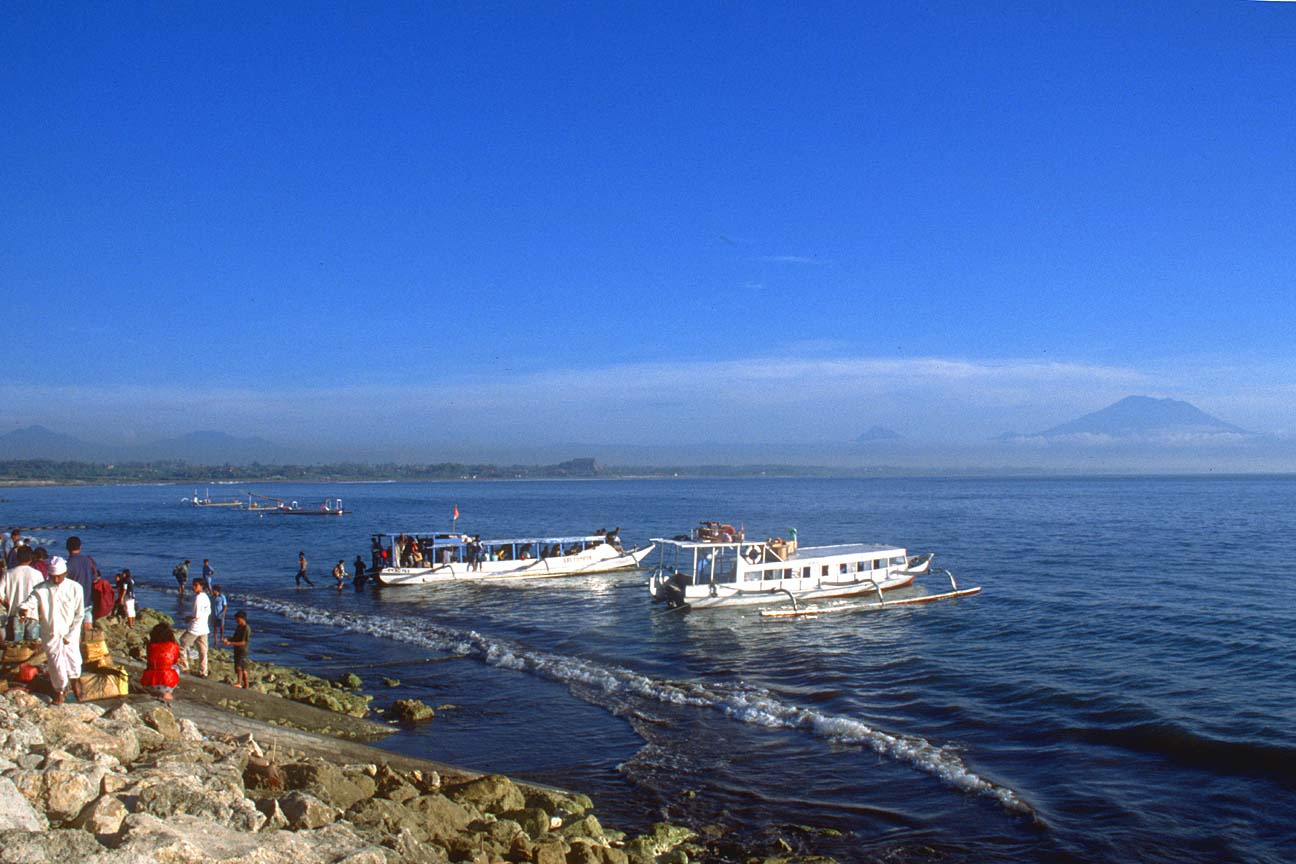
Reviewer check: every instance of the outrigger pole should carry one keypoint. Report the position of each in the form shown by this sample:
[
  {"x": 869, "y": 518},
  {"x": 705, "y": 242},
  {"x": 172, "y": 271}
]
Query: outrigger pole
[{"x": 871, "y": 607}]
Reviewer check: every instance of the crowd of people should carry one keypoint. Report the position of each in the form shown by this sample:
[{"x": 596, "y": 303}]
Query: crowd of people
[{"x": 56, "y": 600}]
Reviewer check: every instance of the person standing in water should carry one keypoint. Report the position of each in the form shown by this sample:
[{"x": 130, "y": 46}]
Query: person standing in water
[{"x": 301, "y": 570}]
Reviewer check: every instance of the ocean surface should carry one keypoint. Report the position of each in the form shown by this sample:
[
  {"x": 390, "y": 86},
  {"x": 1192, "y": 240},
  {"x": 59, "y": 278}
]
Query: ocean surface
[{"x": 1122, "y": 690}]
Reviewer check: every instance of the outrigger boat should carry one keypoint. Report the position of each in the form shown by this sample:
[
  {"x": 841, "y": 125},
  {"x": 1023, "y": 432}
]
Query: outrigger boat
[
  {"x": 209, "y": 501},
  {"x": 330, "y": 507},
  {"x": 422, "y": 558},
  {"x": 717, "y": 566}
]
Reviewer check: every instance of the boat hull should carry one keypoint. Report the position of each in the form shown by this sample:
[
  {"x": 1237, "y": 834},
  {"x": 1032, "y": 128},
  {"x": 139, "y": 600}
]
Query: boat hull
[
  {"x": 723, "y": 595},
  {"x": 602, "y": 559}
]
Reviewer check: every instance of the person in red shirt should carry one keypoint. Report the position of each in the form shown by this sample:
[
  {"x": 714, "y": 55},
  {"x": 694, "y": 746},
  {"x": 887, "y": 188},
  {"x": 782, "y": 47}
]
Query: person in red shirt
[
  {"x": 103, "y": 596},
  {"x": 161, "y": 677}
]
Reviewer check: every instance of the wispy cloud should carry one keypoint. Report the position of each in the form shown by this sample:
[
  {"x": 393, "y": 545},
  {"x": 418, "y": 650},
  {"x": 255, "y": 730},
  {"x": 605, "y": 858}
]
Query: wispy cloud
[
  {"x": 756, "y": 399},
  {"x": 786, "y": 259}
]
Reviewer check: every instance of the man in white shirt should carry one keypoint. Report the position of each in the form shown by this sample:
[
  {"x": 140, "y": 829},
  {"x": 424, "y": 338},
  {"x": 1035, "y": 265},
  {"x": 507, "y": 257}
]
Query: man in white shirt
[
  {"x": 199, "y": 627},
  {"x": 59, "y": 606},
  {"x": 15, "y": 586}
]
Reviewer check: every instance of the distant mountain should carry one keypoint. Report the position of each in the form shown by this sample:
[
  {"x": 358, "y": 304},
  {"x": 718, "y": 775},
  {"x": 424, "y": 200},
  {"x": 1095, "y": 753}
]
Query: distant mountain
[
  {"x": 211, "y": 448},
  {"x": 1144, "y": 417},
  {"x": 196, "y": 448},
  {"x": 877, "y": 433},
  {"x": 37, "y": 442}
]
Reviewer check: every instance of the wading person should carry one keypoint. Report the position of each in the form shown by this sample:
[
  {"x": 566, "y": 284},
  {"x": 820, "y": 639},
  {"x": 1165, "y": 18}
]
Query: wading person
[
  {"x": 301, "y": 570},
  {"x": 58, "y": 605},
  {"x": 181, "y": 574}
]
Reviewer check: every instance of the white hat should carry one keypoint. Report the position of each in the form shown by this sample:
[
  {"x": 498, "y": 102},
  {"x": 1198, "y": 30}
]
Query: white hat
[{"x": 57, "y": 566}]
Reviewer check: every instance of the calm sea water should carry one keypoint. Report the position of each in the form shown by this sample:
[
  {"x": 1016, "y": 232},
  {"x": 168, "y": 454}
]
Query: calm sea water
[{"x": 1124, "y": 689}]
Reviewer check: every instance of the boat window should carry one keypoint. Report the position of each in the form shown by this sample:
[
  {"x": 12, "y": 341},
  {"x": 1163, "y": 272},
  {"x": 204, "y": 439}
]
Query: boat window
[
  {"x": 805, "y": 573},
  {"x": 898, "y": 561},
  {"x": 726, "y": 570},
  {"x": 861, "y": 566},
  {"x": 879, "y": 564},
  {"x": 825, "y": 570},
  {"x": 845, "y": 568}
]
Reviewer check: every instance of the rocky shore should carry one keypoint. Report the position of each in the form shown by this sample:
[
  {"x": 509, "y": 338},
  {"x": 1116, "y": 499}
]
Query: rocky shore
[{"x": 223, "y": 775}]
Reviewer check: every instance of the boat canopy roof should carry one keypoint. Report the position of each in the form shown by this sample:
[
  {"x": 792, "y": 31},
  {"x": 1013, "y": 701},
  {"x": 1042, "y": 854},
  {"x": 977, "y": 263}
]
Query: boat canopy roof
[
  {"x": 801, "y": 552},
  {"x": 442, "y": 536}
]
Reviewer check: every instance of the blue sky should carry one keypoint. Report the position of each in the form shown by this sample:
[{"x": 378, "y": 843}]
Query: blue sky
[{"x": 644, "y": 223}]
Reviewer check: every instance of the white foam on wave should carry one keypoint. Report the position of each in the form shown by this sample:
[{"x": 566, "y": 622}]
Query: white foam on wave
[{"x": 749, "y": 705}]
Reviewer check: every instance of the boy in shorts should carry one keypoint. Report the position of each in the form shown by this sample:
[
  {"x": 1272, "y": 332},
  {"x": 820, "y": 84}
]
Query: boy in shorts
[{"x": 242, "y": 635}]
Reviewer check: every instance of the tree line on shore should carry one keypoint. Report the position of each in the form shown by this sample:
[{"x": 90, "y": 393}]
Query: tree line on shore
[{"x": 176, "y": 471}]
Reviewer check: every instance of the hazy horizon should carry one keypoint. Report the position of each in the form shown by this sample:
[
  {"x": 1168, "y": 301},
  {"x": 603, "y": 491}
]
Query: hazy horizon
[{"x": 499, "y": 229}]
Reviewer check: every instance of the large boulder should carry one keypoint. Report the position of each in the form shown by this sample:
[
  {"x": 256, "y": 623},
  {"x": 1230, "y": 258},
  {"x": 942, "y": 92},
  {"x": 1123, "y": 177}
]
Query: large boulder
[
  {"x": 192, "y": 840},
  {"x": 388, "y": 817},
  {"x": 493, "y": 793},
  {"x": 103, "y": 817},
  {"x": 62, "y": 787},
  {"x": 305, "y": 811},
  {"x": 88, "y": 737},
  {"x": 161, "y": 719},
  {"x": 59, "y": 846},
  {"x": 16, "y": 812},
  {"x": 328, "y": 782},
  {"x": 212, "y": 791},
  {"x": 411, "y": 710},
  {"x": 442, "y": 818}
]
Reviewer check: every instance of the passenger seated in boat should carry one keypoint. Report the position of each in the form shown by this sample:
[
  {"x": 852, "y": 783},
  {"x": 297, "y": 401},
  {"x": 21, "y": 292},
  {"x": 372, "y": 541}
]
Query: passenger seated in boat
[{"x": 524, "y": 554}]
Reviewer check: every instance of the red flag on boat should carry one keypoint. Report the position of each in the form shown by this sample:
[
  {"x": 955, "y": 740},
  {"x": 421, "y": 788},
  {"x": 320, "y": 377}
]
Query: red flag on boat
[{"x": 456, "y": 513}]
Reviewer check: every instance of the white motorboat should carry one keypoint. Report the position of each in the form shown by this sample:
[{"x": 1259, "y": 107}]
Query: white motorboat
[
  {"x": 717, "y": 567},
  {"x": 422, "y": 558}
]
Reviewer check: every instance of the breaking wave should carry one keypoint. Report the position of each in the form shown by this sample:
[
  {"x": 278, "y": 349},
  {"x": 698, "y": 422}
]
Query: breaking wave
[{"x": 745, "y": 704}]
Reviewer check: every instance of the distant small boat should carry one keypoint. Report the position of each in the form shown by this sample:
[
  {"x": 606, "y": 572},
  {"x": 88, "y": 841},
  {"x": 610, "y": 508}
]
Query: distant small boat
[
  {"x": 284, "y": 507},
  {"x": 208, "y": 501},
  {"x": 330, "y": 507}
]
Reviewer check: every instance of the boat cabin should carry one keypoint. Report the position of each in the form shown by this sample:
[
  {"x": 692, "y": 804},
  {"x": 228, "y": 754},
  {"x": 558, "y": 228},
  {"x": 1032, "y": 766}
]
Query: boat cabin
[
  {"x": 418, "y": 550},
  {"x": 712, "y": 563}
]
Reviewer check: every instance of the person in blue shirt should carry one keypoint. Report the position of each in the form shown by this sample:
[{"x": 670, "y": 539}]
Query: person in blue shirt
[
  {"x": 82, "y": 569},
  {"x": 219, "y": 604}
]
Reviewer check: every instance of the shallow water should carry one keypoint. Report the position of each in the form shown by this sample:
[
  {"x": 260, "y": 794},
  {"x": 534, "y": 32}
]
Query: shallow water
[{"x": 1121, "y": 690}]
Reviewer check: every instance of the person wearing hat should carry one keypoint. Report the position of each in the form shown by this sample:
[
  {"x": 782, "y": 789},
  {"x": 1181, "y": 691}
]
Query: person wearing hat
[{"x": 59, "y": 605}]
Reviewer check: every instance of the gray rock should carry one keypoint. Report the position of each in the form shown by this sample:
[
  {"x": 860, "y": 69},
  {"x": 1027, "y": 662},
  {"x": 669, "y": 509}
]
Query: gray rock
[
  {"x": 209, "y": 791},
  {"x": 59, "y": 846},
  {"x": 586, "y": 826},
  {"x": 16, "y": 812},
  {"x": 493, "y": 793},
  {"x": 534, "y": 821},
  {"x": 409, "y": 849},
  {"x": 411, "y": 710},
  {"x": 442, "y": 818},
  {"x": 584, "y": 851},
  {"x": 388, "y": 817},
  {"x": 103, "y": 817},
  {"x": 303, "y": 810},
  {"x": 275, "y": 818},
  {"x": 160, "y": 719},
  {"x": 328, "y": 782}
]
